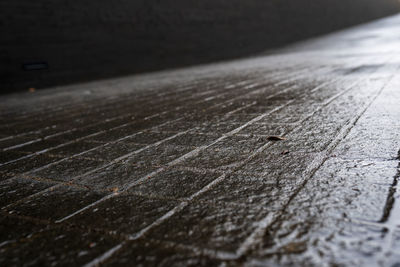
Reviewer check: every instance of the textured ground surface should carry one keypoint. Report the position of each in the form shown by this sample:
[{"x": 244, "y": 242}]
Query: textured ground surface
[{"x": 176, "y": 168}]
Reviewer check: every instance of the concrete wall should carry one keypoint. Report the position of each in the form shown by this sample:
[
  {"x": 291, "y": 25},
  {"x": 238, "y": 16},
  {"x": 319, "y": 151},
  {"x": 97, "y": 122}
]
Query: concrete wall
[{"x": 86, "y": 39}]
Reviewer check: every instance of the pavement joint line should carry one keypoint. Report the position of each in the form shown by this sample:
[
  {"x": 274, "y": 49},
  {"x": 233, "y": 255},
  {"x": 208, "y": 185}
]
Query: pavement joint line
[
  {"x": 151, "y": 196},
  {"x": 261, "y": 84},
  {"x": 391, "y": 198},
  {"x": 117, "y": 100},
  {"x": 221, "y": 94},
  {"x": 224, "y": 93},
  {"x": 95, "y": 134},
  {"x": 83, "y": 138},
  {"x": 108, "y": 104},
  {"x": 201, "y": 94},
  {"x": 230, "y": 86},
  {"x": 76, "y": 129},
  {"x": 212, "y": 87},
  {"x": 61, "y": 156},
  {"x": 40, "y": 112},
  {"x": 103, "y": 145},
  {"x": 309, "y": 173},
  {"x": 65, "y": 132},
  {"x": 177, "y": 161},
  {"x": 22, "y": 144},
  {"x": 391, "y": 222},
  {"x": 181, "y": 206},
  {"x": 51, "y": 188},
  {"x": 185, "y": 199},
  {"x": 214, "y": 254},
  {"x": 184, "y": 204},
  {"x": 70, "y": 157},
  {"x": 58, "y": 106},
  {"x": 84, "y": 104},
  {"x": 88, "y": 136},
  {"x": 263, "y": 89},
  {"x": 54, "y": 187},
  {"x": 151, "y": 117},
  {"x": 24, "y": 134},
  {"x": 93, "y": 170},
  {"x": 71, "y": 116},
  {"x": 267, "y": 220},
  {"x": 101, "y": 200},
  {"x": 298, "y": 75},
  {"x": 325, "y": 84},
  {"x": 156, "y": 127},
  {"x": 198, "y": 170},
  {"x": 108, "y": 254},
  {"x": 60, "y": 185},
  {"x": 314, "y": 89},
  {"x": 78, "y": 113},
  {"x": 239, "y": 109}
]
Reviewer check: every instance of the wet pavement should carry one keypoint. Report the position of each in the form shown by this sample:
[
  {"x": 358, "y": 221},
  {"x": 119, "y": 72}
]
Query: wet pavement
[{"x": 179, "y": 167}]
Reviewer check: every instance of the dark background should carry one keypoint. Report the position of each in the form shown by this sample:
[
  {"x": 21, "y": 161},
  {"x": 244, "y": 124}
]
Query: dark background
[{"x": 87, "y": 39}]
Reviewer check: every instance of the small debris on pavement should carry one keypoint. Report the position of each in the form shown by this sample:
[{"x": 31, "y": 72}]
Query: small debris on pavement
[
  {"x": 275, "y": 138},
  {"x": 295, "y": 247},
  {"x": 285, "y": 152},
  {"x": 114, "y": 189}
]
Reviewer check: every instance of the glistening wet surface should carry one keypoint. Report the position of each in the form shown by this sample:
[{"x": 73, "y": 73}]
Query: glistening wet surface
[{"x": 290, "y": 158}]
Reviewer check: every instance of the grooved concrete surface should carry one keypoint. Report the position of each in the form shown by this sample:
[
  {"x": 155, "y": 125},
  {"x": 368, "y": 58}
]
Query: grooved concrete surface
[{"x": 177, "y": 168}]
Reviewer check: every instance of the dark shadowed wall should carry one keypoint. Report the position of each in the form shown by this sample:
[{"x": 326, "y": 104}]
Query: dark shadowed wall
[{"x": 51, "y": 42}]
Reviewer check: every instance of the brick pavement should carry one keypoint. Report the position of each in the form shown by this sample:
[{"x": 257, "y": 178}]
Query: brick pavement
[{"x": 176, "y": 167}]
